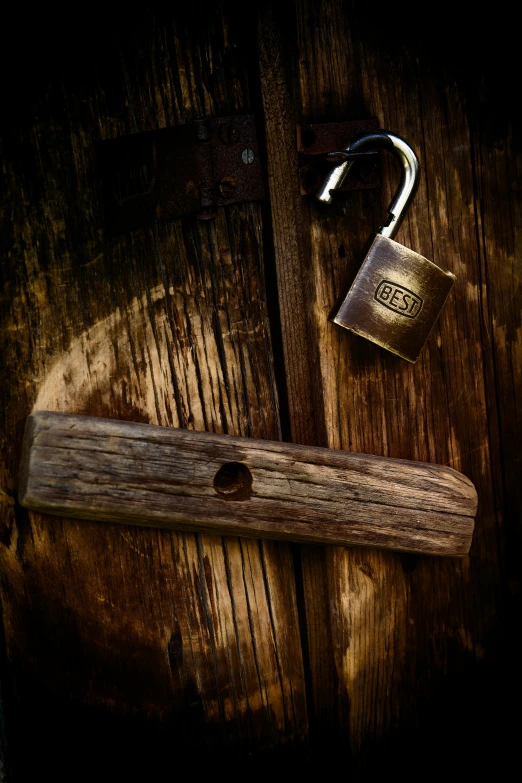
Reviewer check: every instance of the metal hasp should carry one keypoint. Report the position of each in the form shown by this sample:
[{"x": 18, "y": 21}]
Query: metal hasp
[
  {"x": 167, "y": 173},
  {"x": 409, "y": 182},
  {"x": 397, "y": 294},
  {"x": 316, "y": 141}
]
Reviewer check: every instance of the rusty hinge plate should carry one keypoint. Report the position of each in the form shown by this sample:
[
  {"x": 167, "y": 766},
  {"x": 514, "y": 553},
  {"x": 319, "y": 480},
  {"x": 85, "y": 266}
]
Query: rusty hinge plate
[
  {"x": 316, "y": 141},
  {"x": 163, "y": 174}
]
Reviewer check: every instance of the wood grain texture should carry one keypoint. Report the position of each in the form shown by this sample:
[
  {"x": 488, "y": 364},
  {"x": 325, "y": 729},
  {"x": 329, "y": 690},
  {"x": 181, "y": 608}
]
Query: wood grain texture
[
  {"x": 93, "y": 468},
  {"x": 127, "y": 651},
  {"x": 400, "y": 647},
  {"x": 138, "y": 649}
]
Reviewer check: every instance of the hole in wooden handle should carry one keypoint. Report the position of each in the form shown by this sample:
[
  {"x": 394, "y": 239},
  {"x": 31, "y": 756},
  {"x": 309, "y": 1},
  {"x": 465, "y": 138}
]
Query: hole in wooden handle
[{"x": 233, "y": 481}]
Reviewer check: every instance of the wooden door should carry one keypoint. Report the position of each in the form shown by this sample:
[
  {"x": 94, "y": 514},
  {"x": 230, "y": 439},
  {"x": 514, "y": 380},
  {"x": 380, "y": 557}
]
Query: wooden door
[{"x": 129, "y": 652}]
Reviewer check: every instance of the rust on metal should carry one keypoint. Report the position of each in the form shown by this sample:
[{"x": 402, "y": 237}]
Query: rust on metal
[
  {"x": 317, "y": 140},
  {"x": 193, "y": 168}
]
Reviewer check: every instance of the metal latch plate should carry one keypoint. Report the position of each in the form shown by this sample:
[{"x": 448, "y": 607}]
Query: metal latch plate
[
  {"x": 164, "y": 174},
  {"x": 316, "y": 141}
]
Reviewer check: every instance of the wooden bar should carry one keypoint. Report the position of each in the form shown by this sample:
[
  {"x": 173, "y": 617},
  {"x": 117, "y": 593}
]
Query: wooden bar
[{"x": 117, "y": 471}]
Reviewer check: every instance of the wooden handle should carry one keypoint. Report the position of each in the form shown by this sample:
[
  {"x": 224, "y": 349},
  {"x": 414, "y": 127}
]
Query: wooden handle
[{"x": 118, "y": 471}]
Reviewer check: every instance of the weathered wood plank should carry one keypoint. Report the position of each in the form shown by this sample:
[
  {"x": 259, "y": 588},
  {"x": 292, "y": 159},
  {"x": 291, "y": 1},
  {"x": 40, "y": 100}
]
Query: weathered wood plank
[
  {"x": 134, "y": 649},
  {"x": 116, "y": 471},
  {"x": 385, "y": 633}
]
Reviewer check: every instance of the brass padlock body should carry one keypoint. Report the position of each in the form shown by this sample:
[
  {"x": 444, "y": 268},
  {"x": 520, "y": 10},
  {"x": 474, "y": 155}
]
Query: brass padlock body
[{"x": 395, "y": 299}]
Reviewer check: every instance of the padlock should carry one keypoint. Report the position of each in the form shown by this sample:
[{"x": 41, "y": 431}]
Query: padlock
[{"x": 397, "y": 294}]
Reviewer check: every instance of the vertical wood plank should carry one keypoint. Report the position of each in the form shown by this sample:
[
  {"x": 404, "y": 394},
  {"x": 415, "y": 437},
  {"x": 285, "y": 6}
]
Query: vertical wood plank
[
  {"x": 147, "y": 648},
  {"x": 389, "y": 635}
]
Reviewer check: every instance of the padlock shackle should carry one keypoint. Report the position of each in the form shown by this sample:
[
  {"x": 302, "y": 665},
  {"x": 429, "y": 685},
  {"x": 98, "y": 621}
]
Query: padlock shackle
[{"x": 409, "y": 181}]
